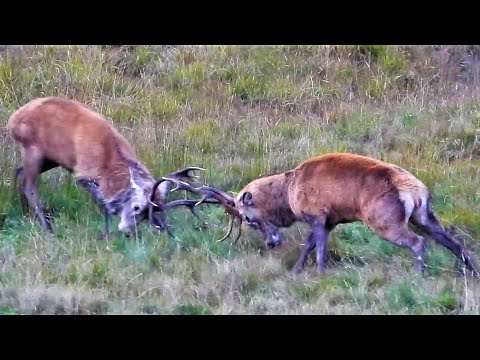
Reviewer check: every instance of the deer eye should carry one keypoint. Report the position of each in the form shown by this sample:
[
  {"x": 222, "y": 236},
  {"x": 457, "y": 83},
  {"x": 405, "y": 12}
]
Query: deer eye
[{"x": 136, "y": 208}]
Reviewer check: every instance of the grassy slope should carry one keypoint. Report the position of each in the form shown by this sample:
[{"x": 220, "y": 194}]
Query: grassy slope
[{"x": 243, "y": 112}]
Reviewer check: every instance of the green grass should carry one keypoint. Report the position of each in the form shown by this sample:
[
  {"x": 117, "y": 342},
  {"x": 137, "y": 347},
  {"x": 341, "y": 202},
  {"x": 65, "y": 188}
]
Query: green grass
[{"x": 242, "y": 112}]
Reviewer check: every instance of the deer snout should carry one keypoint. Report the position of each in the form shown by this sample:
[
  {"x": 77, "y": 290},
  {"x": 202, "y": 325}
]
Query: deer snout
[{"x": 124, "y": 229}]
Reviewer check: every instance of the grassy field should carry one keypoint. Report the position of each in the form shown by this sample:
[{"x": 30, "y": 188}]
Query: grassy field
[{"x": 242, "y": 112}]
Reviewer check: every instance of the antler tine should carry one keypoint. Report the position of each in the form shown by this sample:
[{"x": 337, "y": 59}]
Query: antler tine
[
  {"x": 220, "y": 197},
  {"x": 204, "y": 198},
  {"x": 189, "y": 203},
  {"x": 218, "y": 192},
  {"x": 239, "y": 231},
  {"x": 207, "y": 192},
  {"x": 155, "y": 186},
  {"x": 181, "y": 185},
  {"x": 174, "y": 177},
  {"x": 152, "y": 203},
  {"x": 162, "y": 224},
  {"x": 230, "y": 224},
  {"x": 185, "y": 172}
]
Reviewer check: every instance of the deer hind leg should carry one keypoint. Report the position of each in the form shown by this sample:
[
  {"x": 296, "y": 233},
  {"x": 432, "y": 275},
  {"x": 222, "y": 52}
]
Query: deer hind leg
[
  {"x": 32, "y": 167},
  {"x": 405, "y": 238},
  {"x": 388, "y": 218},
  {"x": 19, "y": 174},
  {"x": 93, "y": 189},
  {"x": 425, "y": 218}
]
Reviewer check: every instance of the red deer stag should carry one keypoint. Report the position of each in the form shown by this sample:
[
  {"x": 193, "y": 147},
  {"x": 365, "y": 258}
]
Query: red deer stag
[
  {"x": 55, "y": 132},
  {"x": 333, "y": 189}
]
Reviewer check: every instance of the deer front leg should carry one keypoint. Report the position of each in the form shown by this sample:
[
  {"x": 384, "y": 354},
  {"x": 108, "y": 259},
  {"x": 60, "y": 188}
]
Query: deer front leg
[
  {"x": 320, "y": 235},
  {"x": 93, "y": 189},
  {"x": 318, "y": 239},
  {"x": 307, "y": 249}
]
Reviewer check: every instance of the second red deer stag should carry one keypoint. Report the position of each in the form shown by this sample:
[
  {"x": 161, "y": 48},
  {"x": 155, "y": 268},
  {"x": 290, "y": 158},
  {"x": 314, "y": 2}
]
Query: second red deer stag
[
  {"x": 338, "y": 188},
  {"x": 54, "y": 132}
]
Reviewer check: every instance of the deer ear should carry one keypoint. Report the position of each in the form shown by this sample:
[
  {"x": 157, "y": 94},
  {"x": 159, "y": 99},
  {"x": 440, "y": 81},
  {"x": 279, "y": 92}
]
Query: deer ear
[
  {"x": 247, "y": 198},
  {"x": 133, "y": 175}
]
